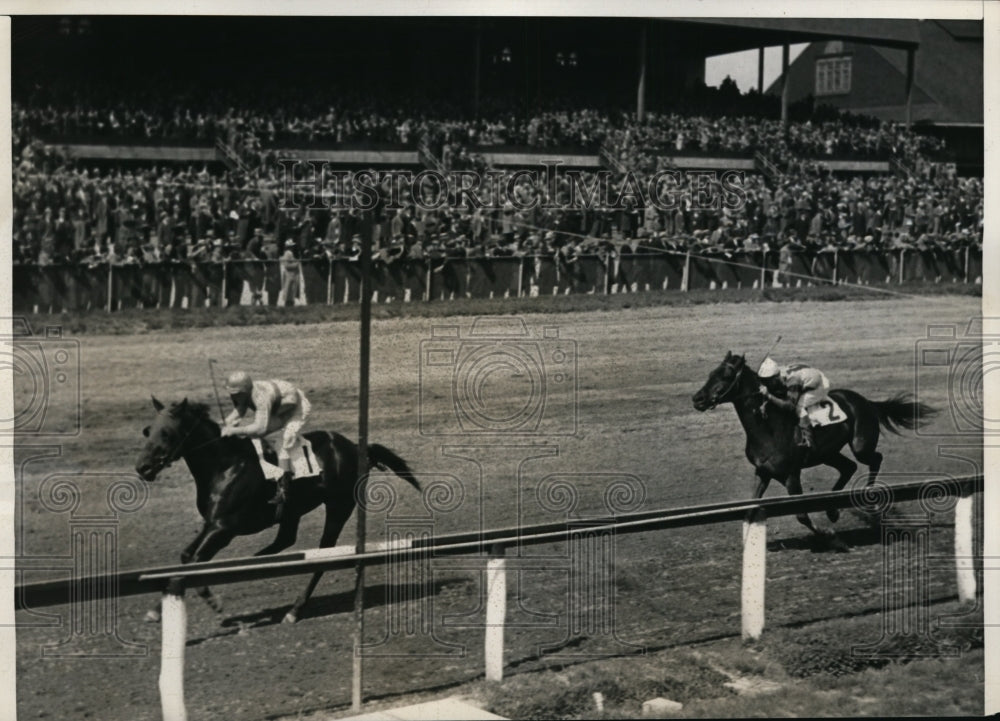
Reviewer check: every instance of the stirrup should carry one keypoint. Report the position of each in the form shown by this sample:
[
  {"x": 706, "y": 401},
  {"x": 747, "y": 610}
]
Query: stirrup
[{"x": 281, "y": 492}]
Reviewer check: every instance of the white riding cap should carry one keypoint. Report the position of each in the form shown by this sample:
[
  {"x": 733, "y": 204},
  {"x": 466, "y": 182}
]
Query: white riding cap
[
  {"x": 768, "y": 369},
  {"x": 239, "y": 382}
]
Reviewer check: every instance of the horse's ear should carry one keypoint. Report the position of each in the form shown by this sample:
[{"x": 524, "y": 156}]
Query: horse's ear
[
  {"x": 156, "y": 404},
  {"x": 183, "y": 404},
  {"x": 729, "y": 354}
]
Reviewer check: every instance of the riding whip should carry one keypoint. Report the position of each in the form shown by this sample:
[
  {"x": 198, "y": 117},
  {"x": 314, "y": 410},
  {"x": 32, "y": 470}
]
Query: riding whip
[
  {"x": 773, "y": 346},
  {"x": 211, "y": 371}
]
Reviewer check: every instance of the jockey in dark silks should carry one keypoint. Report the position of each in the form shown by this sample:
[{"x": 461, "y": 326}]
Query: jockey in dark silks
[{"x": 794, "y": 387}]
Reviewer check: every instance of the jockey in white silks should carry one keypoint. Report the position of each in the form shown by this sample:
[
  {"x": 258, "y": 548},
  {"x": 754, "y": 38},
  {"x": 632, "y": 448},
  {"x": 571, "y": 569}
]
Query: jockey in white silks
[
  {"x": 803, "y": 387},
  {"x": 279, "y": 412}
]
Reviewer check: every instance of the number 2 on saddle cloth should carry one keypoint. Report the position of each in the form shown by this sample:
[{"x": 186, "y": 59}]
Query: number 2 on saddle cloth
[{"x": 826, "y": 413}]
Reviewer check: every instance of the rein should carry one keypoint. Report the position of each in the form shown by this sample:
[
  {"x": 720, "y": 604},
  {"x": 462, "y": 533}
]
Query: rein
[
  {"x": 175, "y": 454},
  {"x": 750, "y": 394}
]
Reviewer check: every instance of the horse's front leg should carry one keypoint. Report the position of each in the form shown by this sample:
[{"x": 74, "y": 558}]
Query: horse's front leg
[
  {"x": 215, "y": 540},
  {"x": 187, "y": 556},
  {"x": 153, "y": 614},
  {"x": 794, "y": 486},
  {"x": 763, "y": 479},
  {"x": 192, "y": 547}
]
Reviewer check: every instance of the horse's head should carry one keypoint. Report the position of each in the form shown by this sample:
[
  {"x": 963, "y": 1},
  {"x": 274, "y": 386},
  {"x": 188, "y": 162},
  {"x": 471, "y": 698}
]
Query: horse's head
[
  {"x": 166, "y": 437},
  {"x": 722, "y": 383}
]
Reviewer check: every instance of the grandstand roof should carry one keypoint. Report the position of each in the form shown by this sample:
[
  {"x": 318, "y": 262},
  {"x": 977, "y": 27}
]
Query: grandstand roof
[
  {"x": 948, "y": 75},
  {"x": 733, "y": 34}
]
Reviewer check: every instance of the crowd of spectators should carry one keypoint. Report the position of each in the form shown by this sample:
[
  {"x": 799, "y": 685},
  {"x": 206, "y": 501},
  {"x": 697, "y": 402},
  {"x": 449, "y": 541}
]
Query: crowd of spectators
[
  {"x": 78, "y": 214},
  {"x": 67, "y": 211},
  {"x": 276, "y": 115}
]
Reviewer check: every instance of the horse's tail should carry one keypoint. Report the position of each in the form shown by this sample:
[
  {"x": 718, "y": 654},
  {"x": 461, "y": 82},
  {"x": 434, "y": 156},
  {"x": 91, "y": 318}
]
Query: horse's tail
[
  {"x": 899, "y": 412},
  {"x": 382, "y": 456}
]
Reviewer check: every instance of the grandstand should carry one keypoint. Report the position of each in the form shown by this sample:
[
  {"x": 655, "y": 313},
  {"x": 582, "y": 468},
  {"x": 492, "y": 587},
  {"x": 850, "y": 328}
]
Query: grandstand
[{"x": 136, "y": 149}]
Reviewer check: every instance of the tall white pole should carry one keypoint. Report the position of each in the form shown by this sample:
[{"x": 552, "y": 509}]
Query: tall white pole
[{"x": 362, "y": 479}]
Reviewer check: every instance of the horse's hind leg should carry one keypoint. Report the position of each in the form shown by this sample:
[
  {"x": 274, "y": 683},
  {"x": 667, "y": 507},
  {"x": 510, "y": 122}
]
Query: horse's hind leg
[
  {"x": 293, "y": 613},
  {"x": 794, "y": 486},
  {"x": 846, "y": 467},
  {"x": 287, "y": 533},
  {"x": 336, "y": 516},
  {"x": 872, "y": 459},
  {"x": 864, "y": 442}
]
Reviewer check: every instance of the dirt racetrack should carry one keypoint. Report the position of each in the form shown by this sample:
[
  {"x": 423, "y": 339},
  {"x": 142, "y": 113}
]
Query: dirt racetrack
[{"x": 635, "y": 373}]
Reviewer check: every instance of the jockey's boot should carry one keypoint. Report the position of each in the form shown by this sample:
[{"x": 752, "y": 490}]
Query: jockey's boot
[
  {"x": 282, "y": 493},
  {"x": 806, "y": 433}
]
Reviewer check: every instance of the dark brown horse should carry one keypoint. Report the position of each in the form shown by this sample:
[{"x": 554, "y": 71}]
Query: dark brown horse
[
  {"x": 233, "y": 493},
  {"x": 771, "y": 445}
]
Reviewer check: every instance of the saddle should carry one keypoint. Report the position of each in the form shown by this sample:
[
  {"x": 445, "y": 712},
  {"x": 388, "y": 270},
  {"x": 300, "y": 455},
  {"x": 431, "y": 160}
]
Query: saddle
[{"x": 305, "y": 462}]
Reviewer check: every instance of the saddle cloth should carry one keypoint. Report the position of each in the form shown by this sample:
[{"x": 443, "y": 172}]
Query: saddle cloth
[
  {"x": 826, "y": 413},
  {"x": 304, "y": 461}
]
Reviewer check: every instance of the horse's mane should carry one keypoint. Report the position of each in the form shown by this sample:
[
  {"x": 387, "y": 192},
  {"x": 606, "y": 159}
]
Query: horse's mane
[{"x": 193, "y": 410}]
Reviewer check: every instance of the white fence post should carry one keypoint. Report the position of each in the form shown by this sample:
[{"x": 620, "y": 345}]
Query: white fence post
[
  {"x": 222, "y": 292},
  {"x": 174, "y": 622},
  {"x": 110, "y": 285},
  {"x": 754, "y": 579},
  {"x": 329, "y": 281},
  {"x": 496, "y": 612},
  {"x": 964, "y": 551}
]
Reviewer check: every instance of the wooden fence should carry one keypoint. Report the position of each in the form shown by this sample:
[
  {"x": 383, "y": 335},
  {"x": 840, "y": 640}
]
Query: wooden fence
[
  {"x": 171, "y": 581},
  {"x": 57, "y": 288}
]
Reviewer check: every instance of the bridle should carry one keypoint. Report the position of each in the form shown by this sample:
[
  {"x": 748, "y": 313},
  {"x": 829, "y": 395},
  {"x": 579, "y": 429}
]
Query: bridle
[
  {"x": 719, "y": 397},
  {"x": 175, "y": 454}
]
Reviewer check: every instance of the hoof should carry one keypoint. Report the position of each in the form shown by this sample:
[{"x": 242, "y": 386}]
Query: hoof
[
  {"x": 289, "y": 618},
  {"x": 213, "y": 601},
  {"x": 837, "y": 544},
  {"x": 833, "y": 514},
  {"x": 152, "y": 617}
]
